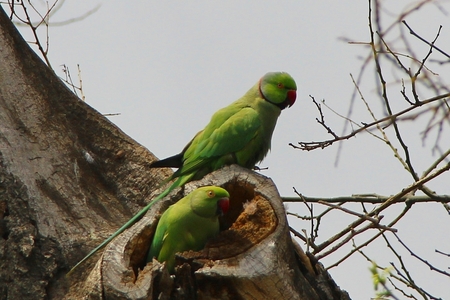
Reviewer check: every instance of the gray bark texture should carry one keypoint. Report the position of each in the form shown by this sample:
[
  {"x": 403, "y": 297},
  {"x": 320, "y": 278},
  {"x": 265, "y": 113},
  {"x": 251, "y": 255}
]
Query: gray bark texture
[{"x": 69, "y": 178}]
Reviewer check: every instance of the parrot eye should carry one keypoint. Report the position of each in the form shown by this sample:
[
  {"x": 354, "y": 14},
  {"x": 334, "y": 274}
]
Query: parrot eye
[
  {"x": 210, "y": 194},
  {"x": 280, "y": 85}
]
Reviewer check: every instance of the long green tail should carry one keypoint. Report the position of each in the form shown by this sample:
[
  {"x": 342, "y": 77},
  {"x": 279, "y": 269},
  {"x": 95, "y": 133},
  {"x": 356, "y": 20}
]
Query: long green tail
[{"x": 179, "y": 182}]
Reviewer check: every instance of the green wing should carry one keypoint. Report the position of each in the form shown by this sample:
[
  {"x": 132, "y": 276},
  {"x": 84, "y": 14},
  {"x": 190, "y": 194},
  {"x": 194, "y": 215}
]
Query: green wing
[
  {"x": 172, "y": 234},
  {"x": 187, "y": 225},
  {"x": 228, "y": 132},
  {"x": 160, "y": 235}
]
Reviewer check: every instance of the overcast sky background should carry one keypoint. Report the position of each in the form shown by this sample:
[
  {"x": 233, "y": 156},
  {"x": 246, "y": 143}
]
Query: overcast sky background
[{"x": 167, "y": 67}]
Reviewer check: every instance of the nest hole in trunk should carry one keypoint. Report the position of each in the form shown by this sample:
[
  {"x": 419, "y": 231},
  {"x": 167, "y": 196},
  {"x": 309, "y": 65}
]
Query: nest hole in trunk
[{"x": 249, "y": 220}]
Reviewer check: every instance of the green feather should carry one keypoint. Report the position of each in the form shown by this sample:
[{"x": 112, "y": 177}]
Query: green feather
[{"x": 188, "y": 224}]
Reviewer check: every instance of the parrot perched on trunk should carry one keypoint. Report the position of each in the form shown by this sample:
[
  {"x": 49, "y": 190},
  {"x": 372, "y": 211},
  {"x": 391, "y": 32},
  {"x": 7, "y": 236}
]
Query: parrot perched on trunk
[
  {"x": 188, "y": 224},
  {"x": 240, "y": 134},
  {"x": 237, "y": 134}
]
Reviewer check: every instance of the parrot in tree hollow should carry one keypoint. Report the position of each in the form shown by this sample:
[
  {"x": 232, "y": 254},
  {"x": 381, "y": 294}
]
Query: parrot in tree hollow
[
  {"x": 188, "y": 224},
  {"x": 240, "y": 134}
]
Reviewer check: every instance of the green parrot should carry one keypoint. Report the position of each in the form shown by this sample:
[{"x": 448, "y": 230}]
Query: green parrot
[
  {"x": 240, "y": 134},
  {"x": 188, "y": 224},
  {"x": 237, "y": 134}
]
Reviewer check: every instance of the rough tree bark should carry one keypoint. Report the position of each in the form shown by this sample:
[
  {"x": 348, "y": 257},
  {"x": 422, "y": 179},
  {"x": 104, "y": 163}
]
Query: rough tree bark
[{"x": 69, "y": 178}]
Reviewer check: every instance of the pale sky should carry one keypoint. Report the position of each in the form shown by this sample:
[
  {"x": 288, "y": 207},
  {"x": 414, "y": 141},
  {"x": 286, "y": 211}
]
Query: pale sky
[{"x": 167, "y": 67}]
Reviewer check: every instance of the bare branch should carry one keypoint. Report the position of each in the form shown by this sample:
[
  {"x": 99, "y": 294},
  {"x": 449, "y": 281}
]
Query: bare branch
[
  {"x": 369, "y": 199},
  {"x": 440, "y": 252},
  {"x": 425, "y": 41},
  {"x": 308, "y": 146},
  {"x": 433, "y": 268}
]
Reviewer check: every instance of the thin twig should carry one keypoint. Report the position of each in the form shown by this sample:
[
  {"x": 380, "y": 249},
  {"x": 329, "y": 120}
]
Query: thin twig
[
  {"x": 433, "y": 268},
  {"x": 308, "y": 146},
  {"x": 425, "y": 41},
  {"x": 369, "y": 198},
  {"x": 375, "y": 222}
]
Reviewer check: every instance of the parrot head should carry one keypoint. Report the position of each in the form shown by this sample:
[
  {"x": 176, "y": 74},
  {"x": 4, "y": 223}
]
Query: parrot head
[
  {"x": 210, "y": 201},
  {"x": 278, "y": 88}
]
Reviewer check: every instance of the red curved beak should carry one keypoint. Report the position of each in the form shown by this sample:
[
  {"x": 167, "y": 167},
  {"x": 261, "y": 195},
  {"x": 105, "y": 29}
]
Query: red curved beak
[
  {"x": 291, "y": 96},
  {"x": 223, "y": 205}
]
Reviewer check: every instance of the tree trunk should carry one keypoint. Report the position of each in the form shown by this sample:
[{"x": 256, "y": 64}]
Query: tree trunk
[{"x": 69, "y": 178}]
